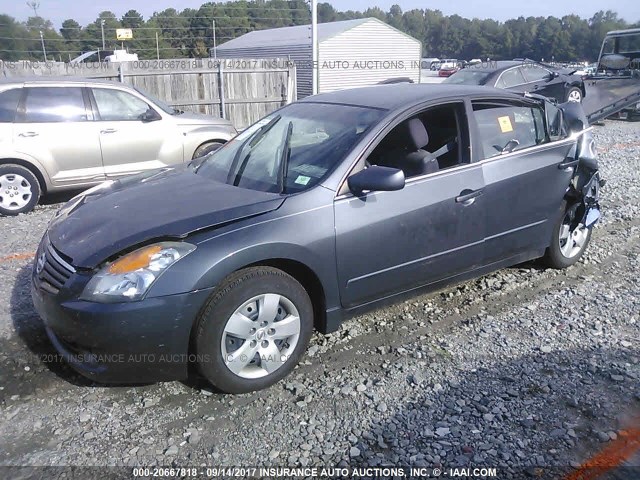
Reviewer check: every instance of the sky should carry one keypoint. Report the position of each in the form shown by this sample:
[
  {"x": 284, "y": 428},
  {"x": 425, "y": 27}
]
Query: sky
[{"x": 59, "y": 10}]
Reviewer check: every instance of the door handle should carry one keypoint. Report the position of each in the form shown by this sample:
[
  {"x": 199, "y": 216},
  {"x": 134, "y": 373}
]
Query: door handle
[
  {"x": 467, "y": 197},
  {"x": 568, "y": 164},
  {"x": 28, "y": 134},
  {"x": 108, "y": 130}
]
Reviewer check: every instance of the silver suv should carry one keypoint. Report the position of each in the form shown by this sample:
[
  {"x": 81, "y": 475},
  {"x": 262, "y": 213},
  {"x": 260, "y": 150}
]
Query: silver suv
[{"x": 61, "y": 134}]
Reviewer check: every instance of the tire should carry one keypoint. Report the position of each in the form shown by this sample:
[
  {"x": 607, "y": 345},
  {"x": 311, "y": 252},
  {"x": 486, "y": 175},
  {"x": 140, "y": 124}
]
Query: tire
[
  {"x": 19, "y": 190},
  {"x": 235, "y": 343},
  {"x": 567, "y": 246},
  {"x": 206, "y": 148},
  {"x": 574, "y": 94}
]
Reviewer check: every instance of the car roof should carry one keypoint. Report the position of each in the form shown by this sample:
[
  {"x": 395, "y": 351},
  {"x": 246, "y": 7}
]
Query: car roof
[
  {"x": 497, "y": 65},
  {"x": 35, "y": 80},
  {"x": 395, "y": 96}
]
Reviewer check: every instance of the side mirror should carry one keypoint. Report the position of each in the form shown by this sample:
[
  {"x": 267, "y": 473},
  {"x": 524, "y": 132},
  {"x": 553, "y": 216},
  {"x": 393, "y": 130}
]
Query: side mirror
[
  {"x": 150, "y": 116},
  {"x": 376, "y": 178}
]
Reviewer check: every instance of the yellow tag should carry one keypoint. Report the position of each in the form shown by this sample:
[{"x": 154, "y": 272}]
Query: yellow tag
[{"x": 505, "y": 124}]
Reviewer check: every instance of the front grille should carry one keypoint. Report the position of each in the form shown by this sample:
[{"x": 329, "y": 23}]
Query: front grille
[{"x": 52, "y": 272}]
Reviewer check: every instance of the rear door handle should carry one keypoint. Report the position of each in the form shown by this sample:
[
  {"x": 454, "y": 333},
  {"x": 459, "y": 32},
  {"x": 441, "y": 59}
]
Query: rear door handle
[
  {"x": 28, "y": 134},
  {"x": 108, "y": 130},
  {"x": 467, "y": 196},
  {"x": 568, "y": 164}
]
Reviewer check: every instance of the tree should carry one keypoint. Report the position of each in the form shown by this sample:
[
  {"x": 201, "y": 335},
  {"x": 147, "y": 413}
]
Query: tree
[{"x": 132, "y": 19}]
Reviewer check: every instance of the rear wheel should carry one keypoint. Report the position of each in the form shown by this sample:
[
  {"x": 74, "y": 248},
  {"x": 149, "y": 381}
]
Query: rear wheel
[
  {"x": 254, "y": 330},
  {"x": 569, "y": 240},
  {"x": 19, "y": 190},
  {"x": 206, "y": 149}
]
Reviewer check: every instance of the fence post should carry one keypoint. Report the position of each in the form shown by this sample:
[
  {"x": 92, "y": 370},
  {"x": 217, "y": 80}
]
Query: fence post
[
  {"x": 221, "y": 88},
  {"x": 121, "y": 72}
]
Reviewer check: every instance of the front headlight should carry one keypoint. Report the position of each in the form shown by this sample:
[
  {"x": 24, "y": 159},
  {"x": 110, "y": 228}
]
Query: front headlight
[{"x": 129, "y": 277}]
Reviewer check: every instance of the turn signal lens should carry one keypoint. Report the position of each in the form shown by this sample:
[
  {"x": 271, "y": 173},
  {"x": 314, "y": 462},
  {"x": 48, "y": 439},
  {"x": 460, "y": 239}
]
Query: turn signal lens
[{"x": 135, "y": 260}]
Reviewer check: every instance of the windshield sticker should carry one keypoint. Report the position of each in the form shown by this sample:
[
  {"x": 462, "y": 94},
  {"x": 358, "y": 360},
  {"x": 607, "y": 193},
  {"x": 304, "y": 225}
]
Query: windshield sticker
[
  {"x": 505, "y": 124},
  {"x": 302, "y": 180}
]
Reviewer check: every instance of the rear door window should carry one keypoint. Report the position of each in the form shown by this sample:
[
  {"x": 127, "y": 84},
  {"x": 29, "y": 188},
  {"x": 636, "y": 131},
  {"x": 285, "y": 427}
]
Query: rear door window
[
  {"x": 8, "y": 104},
  {"x": 510, "y": 78},
  {"x": 54, "y": 104},
  {"x": 500, "y": 124},
  {"x": 534, "y": 73}
]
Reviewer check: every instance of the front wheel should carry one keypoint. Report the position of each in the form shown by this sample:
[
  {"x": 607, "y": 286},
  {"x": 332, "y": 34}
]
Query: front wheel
[
  {"x": 206, "y": 149},
  {"x": 253, "y": 330},
  {"x": 19, "y": 190},
  {"x": 569, "y": 240},
  {"x": 574, "y": 95}
]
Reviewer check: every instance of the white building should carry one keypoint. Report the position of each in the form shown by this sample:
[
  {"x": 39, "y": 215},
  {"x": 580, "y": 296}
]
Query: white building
[{"x": 352, "y": 53}]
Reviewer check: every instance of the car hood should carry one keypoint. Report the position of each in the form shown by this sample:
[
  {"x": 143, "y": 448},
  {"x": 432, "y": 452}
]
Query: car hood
[{"x": 171, "y": 202}]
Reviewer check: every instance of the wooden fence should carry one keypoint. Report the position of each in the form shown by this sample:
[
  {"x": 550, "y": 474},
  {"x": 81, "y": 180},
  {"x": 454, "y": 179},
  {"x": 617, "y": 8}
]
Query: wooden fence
[{"x": 242, "y": 90}]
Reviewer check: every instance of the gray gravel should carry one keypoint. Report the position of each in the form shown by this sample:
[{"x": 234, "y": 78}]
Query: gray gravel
[{"x": 519, "y": 369}]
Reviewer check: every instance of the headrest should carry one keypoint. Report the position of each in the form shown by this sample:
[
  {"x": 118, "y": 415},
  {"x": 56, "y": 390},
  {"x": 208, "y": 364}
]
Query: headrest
[{"x": 417, "y": 134}]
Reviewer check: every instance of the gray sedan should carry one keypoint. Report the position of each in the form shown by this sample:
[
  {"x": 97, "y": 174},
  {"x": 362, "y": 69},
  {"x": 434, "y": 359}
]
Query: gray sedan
[{"x": 325, "y": 208}]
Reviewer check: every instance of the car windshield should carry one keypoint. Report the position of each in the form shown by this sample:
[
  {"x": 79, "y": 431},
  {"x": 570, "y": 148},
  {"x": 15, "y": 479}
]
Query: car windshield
[
  {"x": 468, "y": 77},
  {"x": 159, "y": 103},
  {"x": 292, "y": 149}
]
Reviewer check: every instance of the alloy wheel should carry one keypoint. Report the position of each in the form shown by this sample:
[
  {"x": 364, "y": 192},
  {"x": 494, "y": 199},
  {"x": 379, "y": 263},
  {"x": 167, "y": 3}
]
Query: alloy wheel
[
  {"x": 572, "y": 237},
  {"x": 260, "y": 336},
  {"x": 575, "y": 96}
]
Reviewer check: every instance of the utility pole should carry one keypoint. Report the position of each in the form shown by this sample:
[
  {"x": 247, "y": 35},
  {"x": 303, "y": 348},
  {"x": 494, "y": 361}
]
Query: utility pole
[
  {"x": 314, "y": 45},
  {"x": 44, "y": 51},
  {"x": 157, "y": 47},
  {"x": 102, "y": 28},
  {"x": 215, "y": 49}
]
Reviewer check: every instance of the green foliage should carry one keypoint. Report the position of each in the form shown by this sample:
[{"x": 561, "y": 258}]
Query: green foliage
[{"x": 189, "y": 32}]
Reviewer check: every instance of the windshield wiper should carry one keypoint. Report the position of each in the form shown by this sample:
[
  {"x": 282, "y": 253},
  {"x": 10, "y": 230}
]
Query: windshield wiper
[{"x": 284, "y": 160}]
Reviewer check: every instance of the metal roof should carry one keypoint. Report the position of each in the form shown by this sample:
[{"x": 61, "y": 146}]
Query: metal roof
[
  {"x": 395, "y": 96},
  {"x": 298, "y": 35}
]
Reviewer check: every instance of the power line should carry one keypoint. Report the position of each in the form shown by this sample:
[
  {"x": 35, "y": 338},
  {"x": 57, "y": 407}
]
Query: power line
[
  {"x": 76, "y": 51},
  {"x": 62, "y": 39}
]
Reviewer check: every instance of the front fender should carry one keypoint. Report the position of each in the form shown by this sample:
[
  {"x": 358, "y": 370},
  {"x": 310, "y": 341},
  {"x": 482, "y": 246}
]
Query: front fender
[
  {"x": 305, "y": 237},
  {"x": 194, "y": 137}
]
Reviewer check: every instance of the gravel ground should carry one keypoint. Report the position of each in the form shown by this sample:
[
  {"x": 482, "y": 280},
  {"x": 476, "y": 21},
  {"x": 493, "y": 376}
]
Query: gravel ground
[{"x": 519, "y": 369}]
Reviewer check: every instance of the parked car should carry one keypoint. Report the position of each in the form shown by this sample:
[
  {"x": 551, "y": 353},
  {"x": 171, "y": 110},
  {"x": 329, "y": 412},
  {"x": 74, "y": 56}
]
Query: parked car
[
  {"x": 60, "y": 134},
  {"x": 522, "y": 76},
  {"x": 325, "y": 208},
  {"x": 448, "y": 71}
]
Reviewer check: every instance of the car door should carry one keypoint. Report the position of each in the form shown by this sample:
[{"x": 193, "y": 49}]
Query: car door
[
  {"x": 525, "y": 176},
  {"x": 543, "y": 82},
  {"x": 133, "y": 135},
  {"x": 53, "y": 127},
  {"x": 390, "y": 242}
]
